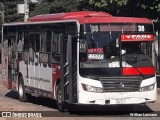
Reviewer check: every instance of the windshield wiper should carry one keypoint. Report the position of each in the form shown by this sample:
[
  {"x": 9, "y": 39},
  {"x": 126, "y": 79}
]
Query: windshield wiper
[
  {"x": 139, "y": 72},
  {"x": 133, "y": 60}
]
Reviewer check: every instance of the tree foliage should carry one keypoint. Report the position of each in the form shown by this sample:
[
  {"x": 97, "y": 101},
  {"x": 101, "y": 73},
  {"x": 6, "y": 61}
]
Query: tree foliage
[
  {"x": 111, "y": 6},
  {"x": 1, "y": 14},
  {"x": 134, "y": 8},
  {"x": 124, "y": 7},
  {"x": 11, "y": 11},
  {"x": 1, "y": 21},
  {"x": 55, "y": 6}
]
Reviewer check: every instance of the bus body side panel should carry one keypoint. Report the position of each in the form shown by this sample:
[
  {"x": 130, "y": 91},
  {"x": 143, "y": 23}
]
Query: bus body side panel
[
  {"x": 23, "y": 68},
  {"x": 5, "y": 72},
  {"x": 45, "y": 80},
  {"x": 37, "y": 77},
  {"x": 5, "y": 65},
  {"x": 55, "y": 77}
]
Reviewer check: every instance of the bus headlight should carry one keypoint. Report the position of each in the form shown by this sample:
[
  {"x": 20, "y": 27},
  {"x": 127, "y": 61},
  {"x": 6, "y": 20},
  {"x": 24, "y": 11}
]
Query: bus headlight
[
  {"x": 90, "y": 88},
  {"x": 147, "y": 88}
]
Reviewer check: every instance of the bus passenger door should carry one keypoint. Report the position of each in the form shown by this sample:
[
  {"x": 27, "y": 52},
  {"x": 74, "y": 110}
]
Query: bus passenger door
[
  {"x": 33, "y": 67},
  {"x": 11, "y": 61},
  {"x": 68, "y": 65}
]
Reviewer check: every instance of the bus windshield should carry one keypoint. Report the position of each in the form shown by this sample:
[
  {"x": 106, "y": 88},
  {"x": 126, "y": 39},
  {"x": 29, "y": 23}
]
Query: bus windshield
[
  {"x": 101, "y": 54},
  {"x": 97, "y": 53}
]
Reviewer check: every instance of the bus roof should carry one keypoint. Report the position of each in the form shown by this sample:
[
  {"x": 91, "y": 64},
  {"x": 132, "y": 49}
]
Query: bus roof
[
  {"x": 82, "y": 17},
  {"x": 70, "y": 15},
  {"x": 88, "y": 17}
]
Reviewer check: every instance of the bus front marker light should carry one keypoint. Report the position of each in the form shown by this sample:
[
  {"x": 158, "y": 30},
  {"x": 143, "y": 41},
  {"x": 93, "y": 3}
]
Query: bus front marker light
[
  {"x": 147, "y": 88},
  {"x": 90, "y": 88}
]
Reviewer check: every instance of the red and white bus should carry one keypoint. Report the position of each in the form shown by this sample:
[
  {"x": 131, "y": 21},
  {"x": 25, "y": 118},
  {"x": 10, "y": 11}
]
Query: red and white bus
[{"x": 81, "y": 57}]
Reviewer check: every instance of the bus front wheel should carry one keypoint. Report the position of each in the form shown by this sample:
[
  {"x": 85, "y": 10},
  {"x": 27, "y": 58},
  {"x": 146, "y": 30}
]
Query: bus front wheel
[
  {"x": 21, "y": 90},
  {"x": 60, "y": 103}
]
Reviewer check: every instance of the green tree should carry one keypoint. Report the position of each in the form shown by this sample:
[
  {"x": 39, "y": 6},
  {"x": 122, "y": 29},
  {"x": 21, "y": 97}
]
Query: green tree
[
  {"x": 10, "y": 8},
  {"x": 124, "y": 7},
  {"x": 134, "y": 8},
  {"x": 40, "y": 8},
  {"x": 111, "y": 6},
  {"x": 55, "y": 6},
  {"x": 1, "y": 20},
  {"x": 143, "y": 8}
]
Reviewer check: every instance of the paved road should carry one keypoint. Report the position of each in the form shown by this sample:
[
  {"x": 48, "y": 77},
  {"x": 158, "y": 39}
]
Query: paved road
[{"x": 9, "y": 102}]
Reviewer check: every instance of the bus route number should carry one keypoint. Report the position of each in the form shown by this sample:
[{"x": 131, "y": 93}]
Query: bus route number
[{"x": 141, "y": 28}]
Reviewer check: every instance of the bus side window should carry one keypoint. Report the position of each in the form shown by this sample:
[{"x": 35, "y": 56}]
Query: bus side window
[
  {"x": 54, "y": 43},
  {"x": 43, "y": 41},
  {"x": 46, "y": 38},
  {"x": 55, "y": 51},
  {"x": 37, "y": 40},
  {"x": 48, "y": 41},
  {"x": 20, "y": 40},
  {"x": 34, "y": 42},
  {"x": 26, "y": 41},
  {"x": 5, "y": 44}
]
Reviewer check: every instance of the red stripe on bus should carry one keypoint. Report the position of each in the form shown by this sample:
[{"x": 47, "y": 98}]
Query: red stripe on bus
[{"x": 143, "y": 70}]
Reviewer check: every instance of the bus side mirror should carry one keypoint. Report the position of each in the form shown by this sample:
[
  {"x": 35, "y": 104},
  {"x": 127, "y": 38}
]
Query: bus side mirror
[{"x": 43, "y": 57}]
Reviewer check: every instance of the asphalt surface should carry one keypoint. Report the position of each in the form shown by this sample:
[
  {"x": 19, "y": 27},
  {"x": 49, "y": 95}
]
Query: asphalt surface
[{"x": 9, "y": 102}]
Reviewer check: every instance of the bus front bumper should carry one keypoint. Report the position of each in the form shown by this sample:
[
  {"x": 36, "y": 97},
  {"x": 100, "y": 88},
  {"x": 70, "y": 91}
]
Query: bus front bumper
[{"x": 112, "y": 98}]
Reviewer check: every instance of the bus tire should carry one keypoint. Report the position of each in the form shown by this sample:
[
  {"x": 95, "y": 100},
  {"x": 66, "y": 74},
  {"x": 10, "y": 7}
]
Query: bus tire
[
  {"x": 21, "y": 90},
  {"x": 60, "y": 104}
]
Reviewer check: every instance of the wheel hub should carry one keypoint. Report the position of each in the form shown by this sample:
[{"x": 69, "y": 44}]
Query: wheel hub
[{"x": 20, "y": 90}]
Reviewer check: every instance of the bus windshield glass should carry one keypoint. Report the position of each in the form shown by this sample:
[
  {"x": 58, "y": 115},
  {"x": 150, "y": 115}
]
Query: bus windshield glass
[{"x": 103, "y": 54}]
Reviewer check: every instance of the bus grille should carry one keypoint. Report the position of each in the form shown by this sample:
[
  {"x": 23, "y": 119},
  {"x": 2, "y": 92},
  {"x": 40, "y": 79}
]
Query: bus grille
[{"x": 120, "y": 84}]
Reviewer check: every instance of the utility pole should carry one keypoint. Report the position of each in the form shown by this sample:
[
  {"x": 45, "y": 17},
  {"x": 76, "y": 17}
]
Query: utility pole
[
  {"x": 26, "y": 10},
  {"x": 2, "y": 12},
  {"x": 2, "y": 16}
]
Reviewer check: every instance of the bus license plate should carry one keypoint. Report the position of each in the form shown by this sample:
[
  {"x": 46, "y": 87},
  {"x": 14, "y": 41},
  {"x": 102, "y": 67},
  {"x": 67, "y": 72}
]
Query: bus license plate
[{"x": 120, "y": 101}]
